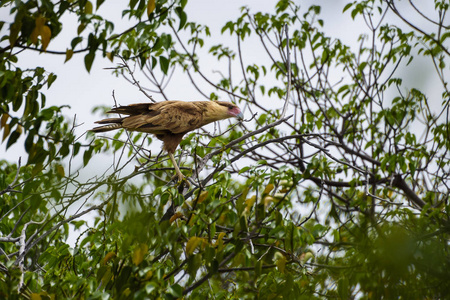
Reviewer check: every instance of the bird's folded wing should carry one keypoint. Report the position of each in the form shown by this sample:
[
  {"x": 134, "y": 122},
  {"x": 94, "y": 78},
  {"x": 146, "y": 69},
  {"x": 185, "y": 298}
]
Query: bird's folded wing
[{"x": 173, "y": 116}]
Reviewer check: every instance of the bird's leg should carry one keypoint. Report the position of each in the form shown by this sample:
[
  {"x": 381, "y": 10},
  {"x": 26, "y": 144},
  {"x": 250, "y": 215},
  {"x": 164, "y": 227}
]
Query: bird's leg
[{"x": 177, "y": 169}]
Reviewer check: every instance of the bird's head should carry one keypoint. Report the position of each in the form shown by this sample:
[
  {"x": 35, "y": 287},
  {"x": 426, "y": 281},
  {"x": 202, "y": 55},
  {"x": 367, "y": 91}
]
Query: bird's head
[
  {"x": 231, "y": 109},
  {"x": 219, "y": 110}
]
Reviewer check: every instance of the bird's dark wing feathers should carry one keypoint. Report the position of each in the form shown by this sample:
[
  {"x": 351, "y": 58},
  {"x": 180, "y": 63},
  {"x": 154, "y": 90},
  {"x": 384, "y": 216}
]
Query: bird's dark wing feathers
[
  {"x": 135, "y": 109},
  {"x": 174, "y": 117}
]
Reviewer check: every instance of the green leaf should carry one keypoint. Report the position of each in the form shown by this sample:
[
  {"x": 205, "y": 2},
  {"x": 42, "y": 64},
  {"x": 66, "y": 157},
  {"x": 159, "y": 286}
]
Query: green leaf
[
  {"x": 244, "y": 169},
  {"x": 99, "y": 3},
  {"x": 193, "y": 264},
  {"x": 183, "y": 17},
  {"x": 133, "y": 3},
  {"x": 29, "y": 141},
  {"x": 12, "y": 138},
  {"x": 150, "y": 287},
  {"x": 51, "y": 78},
  {"x": 75, "y": 42},
  {"x": 88, "y": 60},
  {"x": 343, "y": 288},
  {"x": 87, "y": 156},
  {"x": 175, "y": 290},
  {"x": 258, "y": 268},
  {"x": 164, "y": 64},
  {"x": 346, "y": 7},
  {"x": 69, "y": 54}
]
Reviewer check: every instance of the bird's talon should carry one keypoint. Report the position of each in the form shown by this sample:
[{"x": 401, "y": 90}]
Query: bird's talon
[
  {"x": 177, "y": 178},
  {"x": 180, "y": 180}
]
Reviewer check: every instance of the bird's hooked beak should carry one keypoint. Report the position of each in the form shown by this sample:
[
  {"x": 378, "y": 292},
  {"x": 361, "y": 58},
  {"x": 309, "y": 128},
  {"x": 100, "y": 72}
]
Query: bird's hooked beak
[{"x": 236, "y": 113}]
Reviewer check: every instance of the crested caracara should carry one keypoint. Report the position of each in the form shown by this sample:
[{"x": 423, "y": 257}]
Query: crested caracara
[{"x": 169, "y": 121}]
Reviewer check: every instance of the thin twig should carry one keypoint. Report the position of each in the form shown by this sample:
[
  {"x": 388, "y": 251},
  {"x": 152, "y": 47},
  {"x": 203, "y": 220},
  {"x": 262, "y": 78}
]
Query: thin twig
[
  {"x": 288, "y": 55},
  {"x": 135, "y": 81}
]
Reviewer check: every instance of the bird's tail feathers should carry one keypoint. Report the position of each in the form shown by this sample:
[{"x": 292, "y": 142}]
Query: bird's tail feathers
[
  {"x": 110, "y": 121},
  {"x": 108, "y": 127}
]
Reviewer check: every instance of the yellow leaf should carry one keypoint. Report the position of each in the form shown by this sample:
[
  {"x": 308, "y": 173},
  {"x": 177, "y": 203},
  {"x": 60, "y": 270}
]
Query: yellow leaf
[
  {"x": 42, "y": 30},
  {"x": 88, "y": 8},
  {"x": 219, "y": 241},
  {"x": 106, "y": 278},
  {"x": 268, "y": 188},
  {"x": 6, "y": 131},
  {"x": 139, "y": 254},
  {"x": 222, "y": 218},
  {"x": 46, "y": 34},
  {"x": 203, "y": 196},
  {"x": 60, "y": 170},
  {"x": 286, "y": 185},
  {"x": 175, "y": 216},
  {"x": 304, "y": 283},
  {"x": 34, "y": 35},
  {"x": 284, "y": 190},
  {"x": 268, "y": 200},
  {"x": 108, "y": 257},
  {"x": 150, "y": 7},
  {"x": 35, "y": 296},
  {"x": 306, "y": 256},
  {"x": 249, "y": 203},
  {"x": 110, "y": 56},
  {"x": 3, "y": 120},
  {"x": 281, "y": 263},
  {"x": 186, "y": 205},
  {"x": 40, "y": 22},
  {"x": 69, "y": 54},
  {"x": 192, "y": 244},
  {"x": 148, "y": 275},
  {"x": 126, "y": 292},
  {"x": 219, "y": 238},
  {"x": 192, "y": 220}
]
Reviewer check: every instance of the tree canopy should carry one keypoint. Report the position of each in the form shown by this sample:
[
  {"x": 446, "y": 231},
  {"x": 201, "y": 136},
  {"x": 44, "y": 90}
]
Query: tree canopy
[{"x": 336, "y": 185}]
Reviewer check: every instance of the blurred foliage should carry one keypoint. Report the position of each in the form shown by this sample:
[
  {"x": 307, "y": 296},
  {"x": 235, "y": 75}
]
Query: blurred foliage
[{"x": 347, "y": 198}]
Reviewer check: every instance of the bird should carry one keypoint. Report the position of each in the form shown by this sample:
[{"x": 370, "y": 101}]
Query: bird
[{"x": 169, "y": 121}]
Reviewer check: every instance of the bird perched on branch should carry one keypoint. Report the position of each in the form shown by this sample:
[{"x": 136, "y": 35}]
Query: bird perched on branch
[{"x": 169, "y": 121}]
